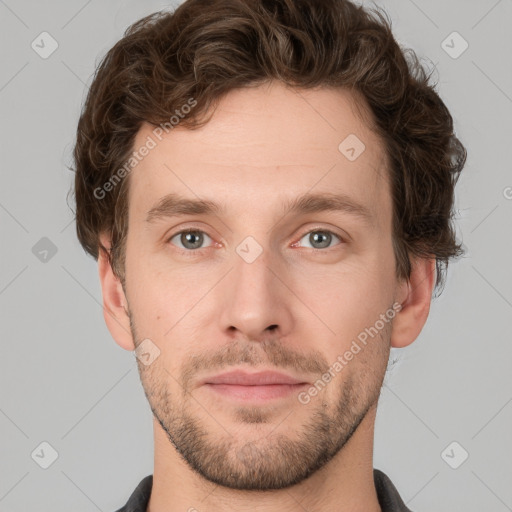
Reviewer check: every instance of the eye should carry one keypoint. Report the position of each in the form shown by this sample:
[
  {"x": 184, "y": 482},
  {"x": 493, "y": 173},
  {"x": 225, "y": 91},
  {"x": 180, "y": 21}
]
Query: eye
[
  {"x": 320, "y": 238},
  {"x": 191, "y": 239}
]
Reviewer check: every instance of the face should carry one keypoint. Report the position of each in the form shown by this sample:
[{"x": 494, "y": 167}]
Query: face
[{"x": 266, "y": 280}]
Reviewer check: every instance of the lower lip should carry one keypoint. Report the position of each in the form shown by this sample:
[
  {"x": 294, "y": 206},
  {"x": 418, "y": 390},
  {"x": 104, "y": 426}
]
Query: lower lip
[{"x": 249, "y": 393}]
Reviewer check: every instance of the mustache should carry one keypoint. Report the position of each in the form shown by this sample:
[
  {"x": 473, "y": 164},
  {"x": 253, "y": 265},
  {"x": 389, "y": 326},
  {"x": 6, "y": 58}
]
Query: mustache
[{"x": 267, "y": 352}]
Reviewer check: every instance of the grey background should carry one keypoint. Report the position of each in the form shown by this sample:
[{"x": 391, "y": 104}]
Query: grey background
[{"x": 63, "y": 379}]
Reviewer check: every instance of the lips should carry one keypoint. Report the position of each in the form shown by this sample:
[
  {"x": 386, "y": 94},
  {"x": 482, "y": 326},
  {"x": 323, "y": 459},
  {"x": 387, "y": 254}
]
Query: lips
[
  {"x": 264, "y": 378},
  {"x": 254, "y": 388}
]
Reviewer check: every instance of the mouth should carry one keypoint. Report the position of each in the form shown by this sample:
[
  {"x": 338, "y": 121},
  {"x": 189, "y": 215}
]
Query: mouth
[{"x": 261, "y": 386}]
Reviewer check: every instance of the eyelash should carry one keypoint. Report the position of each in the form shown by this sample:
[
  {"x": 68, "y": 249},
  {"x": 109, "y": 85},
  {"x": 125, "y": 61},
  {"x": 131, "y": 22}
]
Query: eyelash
[{"x": 193, "y": 252}]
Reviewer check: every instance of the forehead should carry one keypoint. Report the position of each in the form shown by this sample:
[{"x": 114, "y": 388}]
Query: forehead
[{"x": 262, "y": 143}]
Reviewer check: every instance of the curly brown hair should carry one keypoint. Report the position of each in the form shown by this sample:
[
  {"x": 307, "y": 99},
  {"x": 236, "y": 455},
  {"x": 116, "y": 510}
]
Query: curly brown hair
[{"x": 206, "y": 48}]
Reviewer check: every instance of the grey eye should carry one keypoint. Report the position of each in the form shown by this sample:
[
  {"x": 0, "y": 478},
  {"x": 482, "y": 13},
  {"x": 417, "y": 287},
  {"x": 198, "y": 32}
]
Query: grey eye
[
  {"x": 190, "y": 239},
  {"x": 320, "y": 239}
]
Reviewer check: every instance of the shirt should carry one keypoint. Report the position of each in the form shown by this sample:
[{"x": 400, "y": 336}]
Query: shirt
[{"x": 389, "y": 499}]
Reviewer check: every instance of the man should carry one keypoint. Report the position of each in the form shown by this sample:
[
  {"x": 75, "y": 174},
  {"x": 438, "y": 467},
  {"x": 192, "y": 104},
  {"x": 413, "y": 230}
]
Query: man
[{"x": 267, "y": 187}]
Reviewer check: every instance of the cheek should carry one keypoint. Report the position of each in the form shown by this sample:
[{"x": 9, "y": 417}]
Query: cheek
[
  {"x": 165, "y": 307},
  {"x": 345, "y": 296},
  {"x": 151, "y": 302},
  {"x": 351, "y": 303}
]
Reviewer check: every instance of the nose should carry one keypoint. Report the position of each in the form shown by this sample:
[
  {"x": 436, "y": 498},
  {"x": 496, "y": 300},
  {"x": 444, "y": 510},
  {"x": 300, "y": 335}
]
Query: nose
[{"x": 255, "y": 301}]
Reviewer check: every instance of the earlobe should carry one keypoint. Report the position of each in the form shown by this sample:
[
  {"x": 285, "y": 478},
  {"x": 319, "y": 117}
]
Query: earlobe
[
  {"x": 415, "y": 295},
  {"x": 115, "y": 306}
]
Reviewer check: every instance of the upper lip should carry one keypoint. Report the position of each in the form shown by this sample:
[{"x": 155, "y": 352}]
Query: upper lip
[{"x": 241, "y": 378}]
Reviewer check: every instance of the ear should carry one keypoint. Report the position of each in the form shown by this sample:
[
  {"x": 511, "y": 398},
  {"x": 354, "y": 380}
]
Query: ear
[
  {"x": 115, "y": 304},
  {"x": 415, "y": 296}
]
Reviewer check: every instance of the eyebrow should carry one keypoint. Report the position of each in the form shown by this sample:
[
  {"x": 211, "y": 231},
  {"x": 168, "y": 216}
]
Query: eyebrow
[{"x": 173, "y": 205}]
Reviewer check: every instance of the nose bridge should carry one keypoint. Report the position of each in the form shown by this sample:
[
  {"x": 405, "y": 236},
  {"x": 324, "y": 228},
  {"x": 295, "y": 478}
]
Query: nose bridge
[
  {"x": 254, "y": 295},
  {"x": 252, "y": 272}
]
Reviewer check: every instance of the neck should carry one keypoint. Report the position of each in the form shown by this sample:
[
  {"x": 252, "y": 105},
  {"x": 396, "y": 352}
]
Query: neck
[{"x": 344, "y": 484}]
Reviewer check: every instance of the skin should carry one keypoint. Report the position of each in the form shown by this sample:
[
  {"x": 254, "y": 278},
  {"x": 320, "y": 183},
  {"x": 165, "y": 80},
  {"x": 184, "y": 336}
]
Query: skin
[{"x": 212, "y": 312}]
